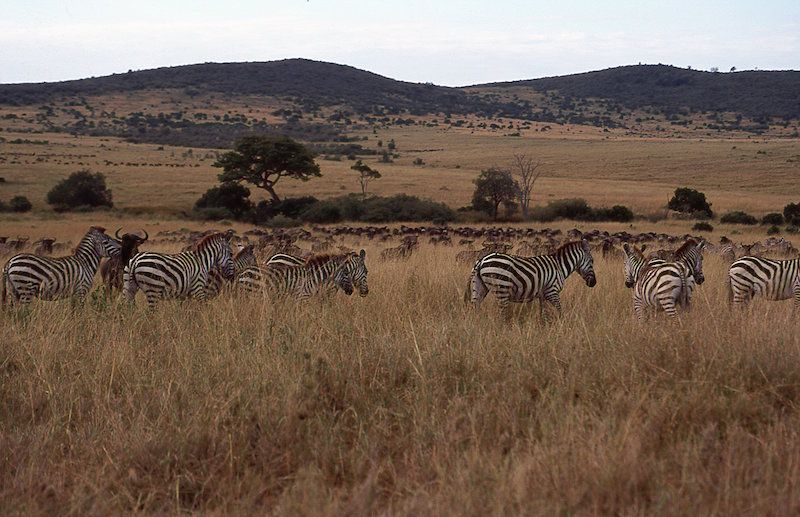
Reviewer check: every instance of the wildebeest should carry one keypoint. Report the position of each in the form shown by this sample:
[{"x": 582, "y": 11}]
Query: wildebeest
[{"x": 111, "y": 270}]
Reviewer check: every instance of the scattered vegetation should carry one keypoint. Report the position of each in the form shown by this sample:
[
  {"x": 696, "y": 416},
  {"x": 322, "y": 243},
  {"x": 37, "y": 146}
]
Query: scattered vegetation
[
  {"x": 81, "y": 190},
  {"x": 702, "y": 226},
  {"x": 690, "y": 201},
  {"x": 738, "y": 217}
]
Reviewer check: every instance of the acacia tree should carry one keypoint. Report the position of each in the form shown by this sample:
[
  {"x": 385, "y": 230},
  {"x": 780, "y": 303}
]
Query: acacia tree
[
  {"x": 365, "y": 174},
  {"x": 528, "y": 172},
  {"x": 263, "y": 160},
  {"x": 492, "y": 187}
]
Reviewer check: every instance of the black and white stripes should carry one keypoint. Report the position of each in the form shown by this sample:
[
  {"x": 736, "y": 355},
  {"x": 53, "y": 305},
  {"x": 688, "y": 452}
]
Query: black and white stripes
[
  {"x": 181, "y": 275},
  {"x": 27, "y": 276},
  {"x": 771, "y": 279},
  {"x": 520, "y": 279}
]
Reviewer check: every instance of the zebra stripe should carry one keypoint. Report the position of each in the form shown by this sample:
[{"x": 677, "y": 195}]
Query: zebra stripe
[
  {"x": 27, "y": 276},
  {"x": 322, "y": 274},
  {"x": 522, "y": 279},
  {"x": 285, "y": 260},
  {"x": 244, "y": 259},
  {"x": 772, "y": 279},
  {"x": 180, "y": 275}
]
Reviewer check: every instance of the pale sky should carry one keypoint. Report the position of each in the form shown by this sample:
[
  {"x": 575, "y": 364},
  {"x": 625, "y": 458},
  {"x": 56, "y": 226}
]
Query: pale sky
[{"x": 448, "y": 42}]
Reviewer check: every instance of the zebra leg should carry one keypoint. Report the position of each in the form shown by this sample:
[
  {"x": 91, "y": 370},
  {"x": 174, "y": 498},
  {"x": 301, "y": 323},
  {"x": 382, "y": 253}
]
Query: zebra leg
[
  {"x": 668, "y": 304},
  {"x": 152, "y": 299},
  {"x": 638, "y": 307},
  {"x": 129, "y": 286},
  {"x": 554, "y": 299}
]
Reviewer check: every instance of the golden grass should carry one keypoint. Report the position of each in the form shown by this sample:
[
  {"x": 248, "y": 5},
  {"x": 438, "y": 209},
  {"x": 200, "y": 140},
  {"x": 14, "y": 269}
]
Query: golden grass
[
  {"x": 404, "y": 402},
  {"x": 640, "y": 173}
]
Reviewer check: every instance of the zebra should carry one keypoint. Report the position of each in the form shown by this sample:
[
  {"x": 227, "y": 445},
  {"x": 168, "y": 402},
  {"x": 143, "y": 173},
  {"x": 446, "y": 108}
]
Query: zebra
[
  {"x": 522, "y": 279},
  {"x": 27, "y": 276},
  {"x": 321, "y": 274},
  {"x": 244, "y": 258},
  {"x": 657, "y": 283},
  {"x": 342, "y": 282},
  {"x": 180, "y": 275},
  {"x": 772, "y": 279}
]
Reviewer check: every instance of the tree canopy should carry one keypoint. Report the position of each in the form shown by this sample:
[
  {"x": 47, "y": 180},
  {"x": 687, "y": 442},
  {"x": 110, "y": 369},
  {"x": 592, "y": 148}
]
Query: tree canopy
[
  {"x": 492, "y": 187},
  {"x": 264, "y": 160},
  {"x": 365, "y": 174}
]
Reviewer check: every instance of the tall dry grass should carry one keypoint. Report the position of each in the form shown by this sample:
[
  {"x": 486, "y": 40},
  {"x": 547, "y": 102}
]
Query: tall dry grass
[{"x": 403, "y": 402}]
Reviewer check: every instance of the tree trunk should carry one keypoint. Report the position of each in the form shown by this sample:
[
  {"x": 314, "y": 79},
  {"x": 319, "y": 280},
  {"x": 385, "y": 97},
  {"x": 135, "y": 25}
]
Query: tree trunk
[{"x": 275, "y": 198}]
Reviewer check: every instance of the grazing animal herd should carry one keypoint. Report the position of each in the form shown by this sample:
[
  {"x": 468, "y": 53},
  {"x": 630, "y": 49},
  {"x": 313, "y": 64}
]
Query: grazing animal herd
[{"x": 663, "y": 280}]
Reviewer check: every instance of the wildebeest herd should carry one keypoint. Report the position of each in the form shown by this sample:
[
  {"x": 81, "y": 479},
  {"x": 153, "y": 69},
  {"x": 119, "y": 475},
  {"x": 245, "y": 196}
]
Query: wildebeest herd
[{"x": 274, "y": 262}]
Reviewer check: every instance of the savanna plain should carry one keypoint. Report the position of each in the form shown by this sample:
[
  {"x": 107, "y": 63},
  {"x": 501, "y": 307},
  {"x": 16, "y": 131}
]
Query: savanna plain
[{"x": 406, "y": 401}]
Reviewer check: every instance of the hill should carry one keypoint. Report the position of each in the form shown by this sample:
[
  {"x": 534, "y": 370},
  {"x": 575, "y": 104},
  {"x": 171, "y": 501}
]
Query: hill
[{"x": 755, "y": 94}]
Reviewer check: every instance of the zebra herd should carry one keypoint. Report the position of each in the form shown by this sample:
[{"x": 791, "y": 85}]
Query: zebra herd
[
  {"x": 198, "y": 273},
  {"x": 662, "y": 280}
]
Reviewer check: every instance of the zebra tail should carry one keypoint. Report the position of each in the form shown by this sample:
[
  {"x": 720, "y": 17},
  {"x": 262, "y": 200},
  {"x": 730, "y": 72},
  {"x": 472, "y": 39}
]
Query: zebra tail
[
  {"x": 3, "y": 293},
  {"x": 730, "y": 290},
  {"x": 684, "y": 301},
  {"x": 474, "y": 284}
]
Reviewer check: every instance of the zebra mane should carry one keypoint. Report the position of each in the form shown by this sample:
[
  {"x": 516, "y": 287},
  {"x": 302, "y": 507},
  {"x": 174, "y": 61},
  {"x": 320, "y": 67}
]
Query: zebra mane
[
  {"x": 92, "y": 229},
  {"x": 205, "y": 241},
  {"x": 319, "y": 260},
  {"x": 683, "y": 250},
  {"x": 566, "y": 246}
]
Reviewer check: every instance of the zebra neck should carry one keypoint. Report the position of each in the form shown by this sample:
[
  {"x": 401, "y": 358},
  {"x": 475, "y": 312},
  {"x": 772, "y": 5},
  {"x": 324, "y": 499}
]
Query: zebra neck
[
  {"x": 86, "y": 254},
  {"x": 566, "y": 263}
]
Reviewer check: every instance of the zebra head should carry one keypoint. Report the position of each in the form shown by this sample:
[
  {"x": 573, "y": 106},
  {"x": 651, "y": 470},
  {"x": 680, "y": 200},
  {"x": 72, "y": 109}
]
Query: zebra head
[
  {"x": 634, "y": 262},
  {"x": 356, "y": 271},
  {"x": 584, "y": 263},
  {"x": 691, "y": 254},
  {"x": 103, "y": 245},
  {"x": 215, "y": 250}
]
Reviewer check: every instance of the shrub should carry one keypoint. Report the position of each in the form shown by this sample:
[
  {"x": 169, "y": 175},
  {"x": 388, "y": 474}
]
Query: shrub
[
  {"x": 20, "y": 204},
  {"x": 791, "y": 213},
  {"x": 212, "y": 213},
  {"x": 689, "y": 200},
  {"x": 702, "y": 226},
  {"x": 80, "y": 189},
  {"x": 292, "y": 207},
  {"x": 579, "y": 210},
  {"x": 323, "y": 212},
  {"x": 773, "y": 230},
  {"x": 233, "y": 197},
  {"x": 281, "y": 221},
  {"x": 617, "y": 213},
  {"x": 738, "y": 218},
  {"x": 792, "y": 229},
  {"x": 772, "y": 219}
]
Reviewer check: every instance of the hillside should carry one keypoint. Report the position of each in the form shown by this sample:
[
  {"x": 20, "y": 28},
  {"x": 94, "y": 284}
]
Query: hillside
[
  {"x": 755, "y": 94},
  {"x": 212, "y": 104}
]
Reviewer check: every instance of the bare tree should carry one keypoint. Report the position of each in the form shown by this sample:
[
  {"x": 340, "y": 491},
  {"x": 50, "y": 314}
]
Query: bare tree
[{"x": 527, "y": 171}]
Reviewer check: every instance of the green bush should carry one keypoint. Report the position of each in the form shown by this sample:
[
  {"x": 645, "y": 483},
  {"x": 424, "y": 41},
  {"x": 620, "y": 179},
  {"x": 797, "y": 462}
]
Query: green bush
[
  {"x": 738, "y": 217},
  {"x": 377, "y": 210},
  {"x": 232, "y": 196},
  {"x": 323, "y": 212},
  {"x": 688, "y": 200},
  {"x": 579, "y": 210},
  {"x": 772, "y": 219},
  {"x": 81, "y": 189},
  {"x": 212, "y": 213},
  {"x": 791, "y": 213},
  {"x": 20, "y": 204},
  {"x": 281, "y": 221},
  {"x": 702, "y": 226},
  {"x": 773, "y": 230}
]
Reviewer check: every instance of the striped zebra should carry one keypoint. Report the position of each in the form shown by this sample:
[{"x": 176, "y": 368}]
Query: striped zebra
[
  {"x": 657, "y": 283},
  {"x": 320, "y": 274},
  {"x": 342, "y": 282},
  {"x": 244, "y": 258},
  {"x": 181, "y": 275},
  {"x": 772, "y": 279},
  {"x": 27, "y": 276},
  {"x": 522, "y": 279}
]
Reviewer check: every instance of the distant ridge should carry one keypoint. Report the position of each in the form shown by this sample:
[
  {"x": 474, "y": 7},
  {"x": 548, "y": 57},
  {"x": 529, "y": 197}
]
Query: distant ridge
[{"x": 755, "y": 94}]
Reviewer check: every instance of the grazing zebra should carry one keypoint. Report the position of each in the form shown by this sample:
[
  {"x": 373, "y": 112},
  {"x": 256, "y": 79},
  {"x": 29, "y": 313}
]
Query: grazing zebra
[
  {"x": 522, "y": 279},
  {"x": 180, "y": 275},
  {"x": 772, "y": 279},
  {"x": 657, "y": 283},
  {"x": 27, "y": 276},
  {"x": 244, "y": 258},
  {"x": 321, "y": 274}
]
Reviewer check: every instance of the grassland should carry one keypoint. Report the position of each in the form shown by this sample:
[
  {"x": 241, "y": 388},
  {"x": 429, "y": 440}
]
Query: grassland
[
  {"x": 406, "y": 402},
  {"x": 403, "y": 402}
]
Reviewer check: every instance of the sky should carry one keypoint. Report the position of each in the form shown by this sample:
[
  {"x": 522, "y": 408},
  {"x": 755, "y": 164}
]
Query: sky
[{"x": 447, "y": 42}]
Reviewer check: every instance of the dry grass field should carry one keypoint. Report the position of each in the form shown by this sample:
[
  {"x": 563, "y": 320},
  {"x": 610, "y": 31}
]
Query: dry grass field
[
  {"x": 407, "y": 401},
  {"x": 404, "y": 402},
  {"x": 758, "y": 176}
]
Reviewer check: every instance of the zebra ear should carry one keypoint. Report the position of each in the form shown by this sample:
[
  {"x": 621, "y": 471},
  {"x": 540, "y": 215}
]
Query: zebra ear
[
  {"x": 626, "y": 247},
  {"x": 644, "y": 247},
  {"x": 362, "y": 254}
]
